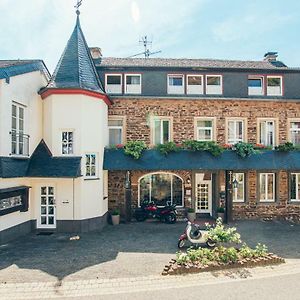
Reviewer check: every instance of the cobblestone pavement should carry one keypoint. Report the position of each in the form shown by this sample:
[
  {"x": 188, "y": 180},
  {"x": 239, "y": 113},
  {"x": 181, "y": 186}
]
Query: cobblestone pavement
[{"x": 129, "y": 256}]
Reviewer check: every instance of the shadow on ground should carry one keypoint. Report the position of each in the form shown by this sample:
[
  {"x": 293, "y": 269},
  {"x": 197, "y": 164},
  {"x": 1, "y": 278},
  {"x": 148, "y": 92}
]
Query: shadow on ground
[{"x": 136, "y": 249}]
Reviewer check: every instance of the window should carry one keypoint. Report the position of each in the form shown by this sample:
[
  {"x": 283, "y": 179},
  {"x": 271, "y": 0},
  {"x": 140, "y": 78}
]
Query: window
[
  {"x": 133, "y": 84},
  {"x": 161, "y": 130},
  {"x": 267, "y": 187},
  {"x": 295, "y": 132},
  {"x": 235, "y": 131},
  {"x": 175, "y": 84},
  {"x": 255, "y": 85},
  {"x": 274, "y": 85},
  {"x": 205, "y": 130},
  {"x": 267, "y": 133},
  {"x": 116, "y": 131},
  {"x": 194, "y": 84},
  {"x": 67, "y": 142},
  {"x": 19, "y": 140},
  {"x": 113, "y": 83},
  {"x": 239, "y": 192},
  {"x": 295, "y": 187},
  {"x": 161, "y": 188},
  {"x": 214, "y": 84},
  {"x": 91, "y": 165}
]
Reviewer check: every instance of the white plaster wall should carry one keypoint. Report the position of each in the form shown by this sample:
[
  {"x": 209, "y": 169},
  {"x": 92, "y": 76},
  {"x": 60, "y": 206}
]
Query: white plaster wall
[{"x": 22, "y": 89}]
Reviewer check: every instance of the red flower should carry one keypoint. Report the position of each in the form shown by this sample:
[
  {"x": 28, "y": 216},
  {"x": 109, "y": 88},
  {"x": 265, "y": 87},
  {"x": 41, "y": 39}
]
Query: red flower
[{"x": 119, "y": 146}]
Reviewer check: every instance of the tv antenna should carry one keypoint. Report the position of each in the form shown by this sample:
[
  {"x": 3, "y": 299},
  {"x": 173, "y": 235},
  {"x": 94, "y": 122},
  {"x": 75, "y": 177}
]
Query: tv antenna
[
  {"x": 78, "y": 4},
  {"x": 147, "y": 53}
]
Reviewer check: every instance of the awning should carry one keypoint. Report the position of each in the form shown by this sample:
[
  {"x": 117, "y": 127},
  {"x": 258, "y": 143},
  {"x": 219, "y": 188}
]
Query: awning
[{"x": 152, "y": 160}]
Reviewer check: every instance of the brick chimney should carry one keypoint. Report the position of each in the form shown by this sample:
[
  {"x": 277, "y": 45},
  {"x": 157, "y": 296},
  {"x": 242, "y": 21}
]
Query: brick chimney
[
  {"x": 96, "y": 52},
  {"x": 271, "y": 56}
]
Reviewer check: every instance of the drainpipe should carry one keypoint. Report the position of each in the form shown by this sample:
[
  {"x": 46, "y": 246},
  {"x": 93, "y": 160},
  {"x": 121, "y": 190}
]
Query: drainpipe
[
  {"x": 128, "y": 196},
  {"x": 228, "y": 196}
]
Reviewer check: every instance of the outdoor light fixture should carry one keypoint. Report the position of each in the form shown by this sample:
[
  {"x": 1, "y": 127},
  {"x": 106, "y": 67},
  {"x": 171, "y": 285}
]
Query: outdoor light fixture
[
  {"x": 188, "y": 181},
  {"x": 235, "y": 184},
  {"x": 127, "y": 180}
]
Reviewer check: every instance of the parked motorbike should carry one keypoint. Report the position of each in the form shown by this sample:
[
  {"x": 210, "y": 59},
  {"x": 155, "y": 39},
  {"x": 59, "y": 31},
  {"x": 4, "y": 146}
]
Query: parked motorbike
[
  {"x": 195, "y": 236},
  {"x": 147, "y": 210}
]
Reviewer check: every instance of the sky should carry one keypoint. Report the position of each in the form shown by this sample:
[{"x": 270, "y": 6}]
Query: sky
[{"x": 221, "y": 29}]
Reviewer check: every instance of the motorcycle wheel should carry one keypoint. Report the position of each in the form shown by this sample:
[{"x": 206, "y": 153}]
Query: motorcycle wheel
[
  {"x": 170, "y": 218},
  {"x": 181, "y": 244},
  {"x": 210, "y": 243}
]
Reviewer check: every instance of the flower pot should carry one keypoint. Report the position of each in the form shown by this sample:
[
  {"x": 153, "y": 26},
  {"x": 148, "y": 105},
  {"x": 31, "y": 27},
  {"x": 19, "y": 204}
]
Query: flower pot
[
  {"x": 191, "y": 216},
  {"x": 115, "y": 219},
  {"x": 221, "y": 215}
]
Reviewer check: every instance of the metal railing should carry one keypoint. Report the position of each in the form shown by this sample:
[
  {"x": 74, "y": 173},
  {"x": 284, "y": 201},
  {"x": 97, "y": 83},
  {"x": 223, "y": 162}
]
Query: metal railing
[{"x": 19, "y": 143}]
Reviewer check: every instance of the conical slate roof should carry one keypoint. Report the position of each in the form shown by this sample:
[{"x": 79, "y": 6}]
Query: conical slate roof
[{"x": 76, "y": 68}]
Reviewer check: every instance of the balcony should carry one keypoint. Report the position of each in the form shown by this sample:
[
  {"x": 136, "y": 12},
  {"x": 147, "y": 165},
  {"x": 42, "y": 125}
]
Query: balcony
[{"x": 19, "y": 144}]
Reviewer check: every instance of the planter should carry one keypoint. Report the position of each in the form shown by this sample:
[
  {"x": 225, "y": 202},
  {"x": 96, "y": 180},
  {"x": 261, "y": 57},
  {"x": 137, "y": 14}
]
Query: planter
[
  {"x": 115, "y": 219},
  {"x": 191, "y": 216},
  {"x": 221, "y": 215}
]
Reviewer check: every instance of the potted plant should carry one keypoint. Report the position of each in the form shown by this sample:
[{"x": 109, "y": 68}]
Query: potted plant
[
  {"x": 191, "y": 215},
  {"x": 221, "y": 212},
  {"x": 115, "y": 216}
]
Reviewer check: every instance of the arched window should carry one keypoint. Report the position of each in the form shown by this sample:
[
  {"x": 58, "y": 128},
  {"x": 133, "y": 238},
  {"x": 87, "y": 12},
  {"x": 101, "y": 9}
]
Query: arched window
[{"x": 160, "y": 188}]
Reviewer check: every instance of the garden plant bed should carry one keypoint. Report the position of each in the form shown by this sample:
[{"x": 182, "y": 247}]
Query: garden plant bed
[{"x": 174, "y": 268}]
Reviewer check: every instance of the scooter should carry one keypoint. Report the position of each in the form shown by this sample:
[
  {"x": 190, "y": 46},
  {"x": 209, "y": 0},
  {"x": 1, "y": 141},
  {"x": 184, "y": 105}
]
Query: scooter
[{"x": 195, "y": 236}]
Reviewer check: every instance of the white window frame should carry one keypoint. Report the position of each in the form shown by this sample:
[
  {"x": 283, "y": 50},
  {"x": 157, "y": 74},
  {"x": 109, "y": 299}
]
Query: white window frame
[
  {"x": 122, "y": 128},
  {"x": 266, "y": 132},
  {"x": 235, "y": 126},
  {"x": 113, "y": 88},
  {"x": 214, "y": 89},
  {"x": 176, "y": 90},
  {"x": 62, "y": 143},
  {"x": 161, "y": 119},
  {"x": 194, "y": 89},
  {"x": 133, "y": 88},
  {"x": 235, "y": 191},
  {"x": 150, "y": 187},
  {"x": 273, "y": 91},
  {"x": 290, "y": 129},
  {"x": 91, "y": 165},
  {"x": 213, "y": 128},
  {"x": 297, "y": 189},
  {"x": 266, "y": 187},
  {"x": 256, "y": 91}
]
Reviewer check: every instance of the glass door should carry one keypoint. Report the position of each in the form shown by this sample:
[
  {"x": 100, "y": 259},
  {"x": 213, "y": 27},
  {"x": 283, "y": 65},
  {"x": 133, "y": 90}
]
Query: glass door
[
  {"x": 47, "y": 217},
  {"x": 203, "y": 192}
]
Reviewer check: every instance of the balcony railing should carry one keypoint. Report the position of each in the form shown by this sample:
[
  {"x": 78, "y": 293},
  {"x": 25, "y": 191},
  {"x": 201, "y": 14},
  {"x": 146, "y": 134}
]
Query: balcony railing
[{"x": 19, "y": 144}]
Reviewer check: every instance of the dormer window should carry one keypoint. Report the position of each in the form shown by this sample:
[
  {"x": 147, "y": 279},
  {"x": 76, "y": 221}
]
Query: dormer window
[
  {"x": 194, "y": 84},
  {"x": 255, "y": 86},
  {"x": 274, "y": 85},
  {"x": 113, "y": 83},
  {"x": 175, "y": 84},
  {"x": 213, "y": 84},
  {"x": 133, "y": 84}
]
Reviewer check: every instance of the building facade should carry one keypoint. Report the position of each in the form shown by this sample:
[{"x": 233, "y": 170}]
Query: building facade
[{"x": 62, "y": 159}]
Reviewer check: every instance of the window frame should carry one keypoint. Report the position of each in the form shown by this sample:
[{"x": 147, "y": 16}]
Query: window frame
[
  {"x": 206, "y": 84},
  {"x": 245, "y": 128},
  {"x": 201, "y": 86},
  {"x": 262, "y": 78},
  {"x": 90, "y": 165},
  {"x": 214, "y": 128},
  {"x": 158, "y": 173},
  {"x": 297, "y": 200},
  {"x": 123, "y": 127},
  {"x": 235, "y": 190},
  {"x": 169, "y": 87},
  {"x": 268, "y": 93},
  {"x": 275, "y": 133},
  {"x": 121, "y": 84},
  {"x": 61, "y": 142},
  {"x": 266, "y": 189},
  {"x": 290, "y": 121},
  {"x": 152, "y": 128},
  {"x": 139, "y": 90}
]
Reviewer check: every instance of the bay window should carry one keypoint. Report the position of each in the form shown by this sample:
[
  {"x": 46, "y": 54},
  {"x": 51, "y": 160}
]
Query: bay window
[{"x": 267, "y": 187}]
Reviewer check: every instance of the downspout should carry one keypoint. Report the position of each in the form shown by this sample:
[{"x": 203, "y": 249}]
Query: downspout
[{"x": 73, "y": 199}]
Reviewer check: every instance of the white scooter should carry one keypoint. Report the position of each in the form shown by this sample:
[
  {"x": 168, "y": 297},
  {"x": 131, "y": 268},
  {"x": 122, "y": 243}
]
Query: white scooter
[{"x": 194, "y": 236}]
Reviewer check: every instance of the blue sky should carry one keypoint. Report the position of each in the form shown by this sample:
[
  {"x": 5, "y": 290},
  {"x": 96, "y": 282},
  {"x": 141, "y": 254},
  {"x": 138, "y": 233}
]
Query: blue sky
[{"x": 224, "y": 29}]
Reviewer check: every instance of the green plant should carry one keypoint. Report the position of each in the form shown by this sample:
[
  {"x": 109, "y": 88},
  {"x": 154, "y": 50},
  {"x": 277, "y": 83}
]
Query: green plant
[
  {"x": 246, "y": 252},
  {"x": 285, "y": 147},
  {"x": 182, "y": 258},
  {"x": 115, "y": 212},
  {"x": 244, "y": 149},
  {"x": 168, "y": 147},
  {"x": 220, "y": 234},
  {"x": 135, "y": 149},
  {"x": 190, "y": 210},
  {"x": 211, "y": 147},
  {"x": 226, "y": 255},
  {"x": 221, "y": 210},
  {"x": 260, "y": 250}
]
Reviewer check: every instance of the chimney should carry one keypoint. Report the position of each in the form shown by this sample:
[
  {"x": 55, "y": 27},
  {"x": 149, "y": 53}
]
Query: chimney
[
  {"x": 96, "y": 52},
  {"x": 271, "y": 56}
]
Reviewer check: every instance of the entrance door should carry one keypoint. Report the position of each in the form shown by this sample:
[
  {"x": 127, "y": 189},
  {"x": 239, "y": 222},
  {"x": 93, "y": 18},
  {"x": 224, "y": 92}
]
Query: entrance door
[
  {"x": 47, "y": 218},
  {"x": 203, "y": 191}
]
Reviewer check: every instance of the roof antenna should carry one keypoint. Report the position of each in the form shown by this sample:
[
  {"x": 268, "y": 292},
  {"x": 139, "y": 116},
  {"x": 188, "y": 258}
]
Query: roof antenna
[
  {"x": 79, "y": 3},
  {"x": 144, "y": 40}
]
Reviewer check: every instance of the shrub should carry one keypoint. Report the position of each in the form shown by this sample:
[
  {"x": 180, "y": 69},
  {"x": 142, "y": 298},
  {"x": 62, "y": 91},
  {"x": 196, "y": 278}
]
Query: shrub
[
  {"x": 190, "y": 210},
  {"x": 260, "y": 250},
  {"x": 135, "y": 149},
  {"x": 168, "y": 147},
  {"x": 221, "y": 210},
  {"x": 211, "y": 147},
  {"x": 115, "y": 212},
  {"x": 244, "y": 149},
  {"x": 286, "y": 147},
  {"x": 226, "y": 255},
  {"x": 246, "y": 252}
]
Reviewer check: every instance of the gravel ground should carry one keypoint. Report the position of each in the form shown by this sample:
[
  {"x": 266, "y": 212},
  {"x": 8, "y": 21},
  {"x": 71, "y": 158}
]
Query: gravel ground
[{"x": 127, "y": 250}]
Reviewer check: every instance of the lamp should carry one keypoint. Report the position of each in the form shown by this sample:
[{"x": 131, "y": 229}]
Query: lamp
[
  {"x": 127, "y": 180},
  {"x": 188, "y": 181},
  {"x": 235, "y": 184}
]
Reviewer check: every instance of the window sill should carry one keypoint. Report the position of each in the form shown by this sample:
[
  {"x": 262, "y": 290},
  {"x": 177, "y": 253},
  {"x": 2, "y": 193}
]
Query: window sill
[
  {"x": 294, "y": 202},
  {"x": 91, "y": 178},
  {"x": 266, "y": 202},
  {"x": 19, "y": 155}
]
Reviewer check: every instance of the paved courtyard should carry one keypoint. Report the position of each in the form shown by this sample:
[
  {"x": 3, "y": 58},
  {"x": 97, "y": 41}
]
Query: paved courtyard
[{"x": 119, "y": 252}]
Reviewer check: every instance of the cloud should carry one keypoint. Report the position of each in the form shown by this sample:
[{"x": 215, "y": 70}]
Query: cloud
[{"x": 135, "y": 12}]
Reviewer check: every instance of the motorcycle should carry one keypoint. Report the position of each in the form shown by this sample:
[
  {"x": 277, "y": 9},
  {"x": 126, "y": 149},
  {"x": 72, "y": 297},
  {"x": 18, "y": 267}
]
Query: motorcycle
[
  {"x": 195, "y": 236},
  {"x": 147, "y": 210}
]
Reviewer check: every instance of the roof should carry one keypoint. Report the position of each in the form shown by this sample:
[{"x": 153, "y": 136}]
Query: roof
[
  {"x": 41, "y": 164},
  {"x": 189, "y": 63},
  {"x": 9, "y": 68},
  {"x": 152, "y": 160},
  {"x": 76, "y": 68}
]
